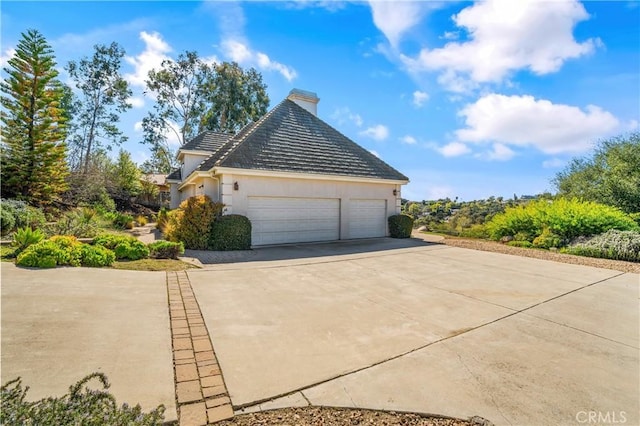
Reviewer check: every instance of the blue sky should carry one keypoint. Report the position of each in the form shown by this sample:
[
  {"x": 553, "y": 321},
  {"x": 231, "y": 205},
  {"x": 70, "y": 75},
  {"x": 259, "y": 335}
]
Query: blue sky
[{"x": 467, "y": 99}]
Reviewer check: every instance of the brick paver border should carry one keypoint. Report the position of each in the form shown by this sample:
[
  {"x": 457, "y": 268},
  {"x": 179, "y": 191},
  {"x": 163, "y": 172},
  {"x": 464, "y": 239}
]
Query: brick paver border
[{"x": 201, "y": 394}]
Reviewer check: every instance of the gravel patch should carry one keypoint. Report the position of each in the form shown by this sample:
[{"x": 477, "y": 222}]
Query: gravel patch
[
  {"x": 496, "y": 247},
  {"x": 325, "y": 416}
]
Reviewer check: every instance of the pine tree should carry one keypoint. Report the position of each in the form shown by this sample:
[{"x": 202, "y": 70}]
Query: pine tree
[{"x": 33, "y": 128}]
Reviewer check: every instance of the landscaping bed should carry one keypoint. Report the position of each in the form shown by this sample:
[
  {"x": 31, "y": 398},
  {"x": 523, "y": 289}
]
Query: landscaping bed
[
  {"x": 318, "y": 416},
  {"x": 497, "y": 247}
]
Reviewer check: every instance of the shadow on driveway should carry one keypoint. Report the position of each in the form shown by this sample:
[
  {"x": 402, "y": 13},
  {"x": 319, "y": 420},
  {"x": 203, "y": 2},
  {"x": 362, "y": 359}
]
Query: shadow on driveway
[{"x": 306, "y": 251}]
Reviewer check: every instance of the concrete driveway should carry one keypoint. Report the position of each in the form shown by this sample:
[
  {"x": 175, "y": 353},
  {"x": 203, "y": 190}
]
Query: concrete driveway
[
  {"x": 426, "y": 328},
  {"x": 59, "y": 325}
]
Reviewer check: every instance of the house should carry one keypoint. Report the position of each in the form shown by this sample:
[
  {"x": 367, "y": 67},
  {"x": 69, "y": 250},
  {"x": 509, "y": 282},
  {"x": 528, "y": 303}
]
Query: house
[
  {"x": 295, "y": 177},
  {"x": 159, "y": 182}
]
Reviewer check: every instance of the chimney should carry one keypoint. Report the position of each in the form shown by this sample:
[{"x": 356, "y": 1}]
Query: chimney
[{"x": 307, "y": 100}]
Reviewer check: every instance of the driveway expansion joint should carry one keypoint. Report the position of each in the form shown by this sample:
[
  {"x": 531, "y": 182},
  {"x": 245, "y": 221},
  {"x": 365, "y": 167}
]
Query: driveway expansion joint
[{"x": 201, "y": 394}]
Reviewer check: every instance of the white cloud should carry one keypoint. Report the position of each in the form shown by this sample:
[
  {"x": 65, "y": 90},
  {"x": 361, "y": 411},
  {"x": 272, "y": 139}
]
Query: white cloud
[
  {"x": 504, "y": 37},
  {"x": 6, "y": 55},
  {"x": 344, "y": 114},
  {"x": 151, "y": 57},
  {"x": 419, "y": 98},
  {"x": 553, "y": 163},
  {"x": 500, "y": 152},
  {"x": 409, "y": 140},
  {"x": 453, "y": 149},
  {"x": 526, "y": 121},
  {"x": 241, "y": 53},
  {"x": 394, "y": 19},
  {"x": 136, "y": 101},
  {"x": 375, "y": 153},
  {"x": 378, "y": 132}
]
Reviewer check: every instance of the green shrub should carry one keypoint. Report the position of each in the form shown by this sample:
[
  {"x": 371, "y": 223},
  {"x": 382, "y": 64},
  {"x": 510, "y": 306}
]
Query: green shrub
[
  {"x": 565, "y": 218},
  {"x": 123, "y": 221},
  {"x": 400, "y": 226},
  {"x": 18, "y": 214},
  {"x": 131, "y": 250},
  {"x": 231, "y": 232},
  {"x": 165, "y": 249},
  {"x": 96, "y": 256},
  {"x": 516, "y": 243},
  {"x": 110, "y": 241},
  {"x": 7, "y": 220},
  {"x": 81, "y": 405},
  {"x": 24, "y": 237},
  {"x": 191, "y": 222},
  {"x": 80, "y": 223},
  {"x": 124, "y": 246},
  {"x": 475, "y": 231},
  {"x": 45, "y": 254},
  {"x": 547, "y": 240},
  {"x": 613, "y": 244}
]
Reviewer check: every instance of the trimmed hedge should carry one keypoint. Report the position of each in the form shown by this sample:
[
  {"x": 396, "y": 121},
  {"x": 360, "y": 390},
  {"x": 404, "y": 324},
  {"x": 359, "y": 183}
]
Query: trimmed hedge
[
  {"x": 165, "y": 249},
  {"x": 230, "y": 232},
  {"x": 400, "y": 226}
]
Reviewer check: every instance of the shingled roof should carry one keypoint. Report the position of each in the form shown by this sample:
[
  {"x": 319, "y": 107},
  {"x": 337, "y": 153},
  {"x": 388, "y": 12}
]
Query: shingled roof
[
  {"x": 291, "y": 139},
  {"x": 206, "y": 141}
]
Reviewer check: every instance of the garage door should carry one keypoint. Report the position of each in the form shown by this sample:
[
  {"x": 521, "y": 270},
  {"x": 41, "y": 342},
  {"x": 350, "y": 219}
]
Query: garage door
[
  {"x": 367, "y": 218},
  {"x": 278, "y": 220}
]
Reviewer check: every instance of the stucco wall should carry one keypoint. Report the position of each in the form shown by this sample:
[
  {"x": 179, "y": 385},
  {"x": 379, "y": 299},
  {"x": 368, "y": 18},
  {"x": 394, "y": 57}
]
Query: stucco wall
[
  {"x": 190, "y": 162},
  {"x": 237, "y": 200}
]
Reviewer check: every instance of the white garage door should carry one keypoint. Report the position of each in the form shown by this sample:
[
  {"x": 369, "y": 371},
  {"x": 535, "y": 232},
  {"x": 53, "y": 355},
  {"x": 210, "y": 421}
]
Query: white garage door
[
  {"x": 278, "y": 220},
  {"x": 367, "y": 218}
]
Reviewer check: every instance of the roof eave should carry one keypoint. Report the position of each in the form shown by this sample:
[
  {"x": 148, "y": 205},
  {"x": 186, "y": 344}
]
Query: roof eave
[{"x": 216, "y": 170}]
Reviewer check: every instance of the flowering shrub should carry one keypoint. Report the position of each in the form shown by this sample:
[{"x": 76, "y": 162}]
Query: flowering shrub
[
  {"x": 80, "y": 406},
  {"x": 613, "y": 244}
]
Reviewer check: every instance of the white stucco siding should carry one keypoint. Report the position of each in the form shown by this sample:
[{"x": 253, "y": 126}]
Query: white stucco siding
[
  {"x": 344, "y": 191},
  {"x": 175, "y": 196},
  {"x": 190, "y": 162}
]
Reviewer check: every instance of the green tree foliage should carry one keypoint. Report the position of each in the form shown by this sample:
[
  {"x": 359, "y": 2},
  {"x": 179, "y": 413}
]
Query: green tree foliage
[
  {"x": 104, "y": 95},
  {"x": 33, "y": 152},
  {"x": 125, "y": 176},
  {"x": 235, "y": 98},
  {"x": 610, "y": 176},
  {"x": 193, "y": 96}
]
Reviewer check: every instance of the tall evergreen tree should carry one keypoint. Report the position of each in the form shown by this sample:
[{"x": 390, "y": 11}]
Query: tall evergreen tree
[
  {"x": 33, "y": 128},
  {"x": 104, "y": 95}
]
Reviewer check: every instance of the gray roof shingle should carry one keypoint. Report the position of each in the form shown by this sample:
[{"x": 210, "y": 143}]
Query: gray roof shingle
[
  {"x": 291, "y": 139},
  {"x": 206, "y": 141},
  {"x": 175, "y": 175}
]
